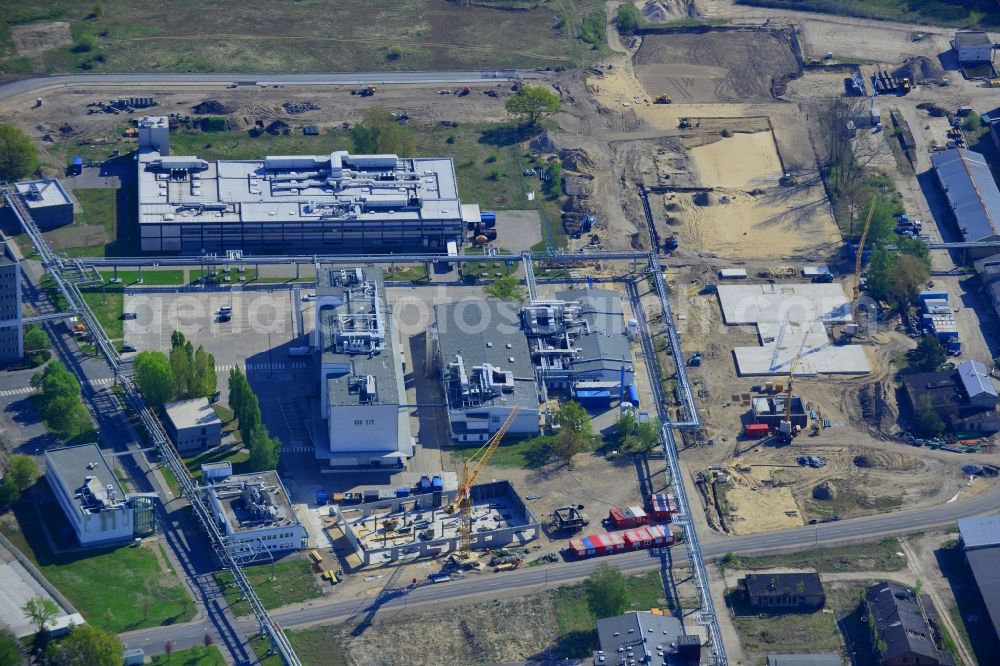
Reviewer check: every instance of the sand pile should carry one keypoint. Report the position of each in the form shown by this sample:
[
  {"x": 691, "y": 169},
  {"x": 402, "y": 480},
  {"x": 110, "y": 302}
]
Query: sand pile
[
  {"x": 211, "y": 107},
  {"x": 825, "y": 491},
  {"x": 919, "y": 68},
  {"x": 664, "y": 11}
]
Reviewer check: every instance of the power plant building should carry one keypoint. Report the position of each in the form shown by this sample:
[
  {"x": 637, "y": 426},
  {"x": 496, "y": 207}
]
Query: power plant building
[
  {"x": 90, "y": 495},
  {"x": 361, "y": 372},
  {"x": 255, "y": 515},
  {"x": 11, "y": 319},
  {"x": 485, "y": 368},
  {"x": 47, "y": 202},
  {"x": 321, "y": 204}
]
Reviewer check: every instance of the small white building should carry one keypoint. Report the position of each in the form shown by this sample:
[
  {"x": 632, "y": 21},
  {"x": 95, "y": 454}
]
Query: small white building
[
  {"x": 255, "y": 515},
  {"x": 47, "y": 202},
  {"x": 90, "y": 495},
  {"x": 973, "y": 46},
  {"x": 154, "y": 134},
  {"x": 193, "y": 425},
  {"x": 977, "y": 384}
]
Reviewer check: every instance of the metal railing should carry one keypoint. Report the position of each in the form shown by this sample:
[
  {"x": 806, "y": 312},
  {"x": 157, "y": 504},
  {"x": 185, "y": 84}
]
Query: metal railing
[{"x": 67, "y": 274}]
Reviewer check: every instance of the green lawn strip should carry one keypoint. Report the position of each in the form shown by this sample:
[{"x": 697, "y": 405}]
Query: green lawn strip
[
  {"x": 171, "y": 480},
  {"x": 261, "y": 645},
  {"x": 196, "y": 656},
  {"x": 219, "y": 275},
  {"x": 237, "y": 456},
  {"x": 319, "y": 646},
  {"x": 518, "y": 453},
  {"x": 118, "y": 589},
  {"x": 97, "y": 209},
  {"x": 107, "y": 304},
  {"x": 408, "y": 273},
  {"x": 871, "y": 556},
  {"x": 163, "y": 277},
  {"x": 577, "y": 637},
  {"x": 277, "y": 585}
]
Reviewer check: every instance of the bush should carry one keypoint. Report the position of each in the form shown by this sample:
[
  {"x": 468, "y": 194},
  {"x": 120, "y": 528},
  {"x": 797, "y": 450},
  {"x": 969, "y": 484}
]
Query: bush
[
  {"x": 212, "y": 124},
  {"x": 85, "y": 44},
  {"x": 493, "y": 156},
  {"x": 972, "y": 122},
  {"x": 395, "y": 52},
  {"x": 592, "y": 28},
  {"x": 627, "y": 18}
]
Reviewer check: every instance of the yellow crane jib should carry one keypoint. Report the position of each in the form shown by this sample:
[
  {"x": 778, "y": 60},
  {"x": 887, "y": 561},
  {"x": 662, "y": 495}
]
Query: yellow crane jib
[{"x": 861, "y": 249}]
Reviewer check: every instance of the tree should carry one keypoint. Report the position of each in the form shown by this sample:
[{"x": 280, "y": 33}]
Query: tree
[
  {"x": 575, "y": 431},
  {"x": 531, "y": 104},
  {"x": 250, "y": 417},
  {"x": 182, "y": 369},
  {"x": 627, "y": 17},
  {"x": 925, "y": 417},
  {"x": 36, "y": 339},
  {"x": 506, "y": 288},
  {"x": 205, "y": 379},
  {"x": 972, "y": 122},
  {"x": 263, "y": 449},
  {"x": 929, "y": 355},
  {"x": 23, "y": 470},
  {"x": 42, "y": 612},
  {"x": 9, "y": 494},
  {"x": 17, "y": 154},
  {"x": 395, "y": 52},
  {"x": 907, "y": 278},
  {"x": 154, "y": 377},
  {"x": 59, "y": 403},
  {"x": 87, "y": 645},
  {"x": 607, "y": 592},
  {"x": 879, "y": 268},
  {"x": 555, "y": 179},
  {"x": 380, "y": 133},
  {"x": 10, "y": 648}
]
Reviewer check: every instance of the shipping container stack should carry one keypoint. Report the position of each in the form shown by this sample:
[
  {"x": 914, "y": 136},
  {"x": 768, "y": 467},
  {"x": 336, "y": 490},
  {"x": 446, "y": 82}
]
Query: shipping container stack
[
  {"x": 632, "y": 516},
  {"x": 661, "y": 507}
]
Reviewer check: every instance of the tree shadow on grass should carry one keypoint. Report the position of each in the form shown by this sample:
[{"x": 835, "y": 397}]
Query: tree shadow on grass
[{"x": 507, "y": 135}]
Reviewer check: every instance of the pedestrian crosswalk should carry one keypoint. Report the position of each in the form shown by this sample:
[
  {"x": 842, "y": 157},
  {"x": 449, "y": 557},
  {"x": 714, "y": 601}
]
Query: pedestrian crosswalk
[
  {"x": 258, "y": 367},
  {"x": 7, "y": 393}
]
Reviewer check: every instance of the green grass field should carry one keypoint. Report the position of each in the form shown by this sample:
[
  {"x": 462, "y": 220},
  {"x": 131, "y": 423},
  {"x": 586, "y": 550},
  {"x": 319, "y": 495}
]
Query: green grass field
[
  {"x": 119, "y": 589},
  {"x": 237, "y": 456},
  {"x": 871, "y": 556},
  {"x": 292, "y": 36},
  {"x": 152, "y": 277},
  {"x": 196, "y": 656},
  {"x": 293, "y": 581},
  {"x": 785, "y": 632},
  {"x": 577, "y": 636},
  {"x": 518, "y": 454},
  {"x": 958, "y": 13}
]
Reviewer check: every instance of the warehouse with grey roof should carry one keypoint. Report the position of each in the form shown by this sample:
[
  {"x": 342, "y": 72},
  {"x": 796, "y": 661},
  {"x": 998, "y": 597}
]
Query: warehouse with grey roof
[
  {"x": 972, "y": 194},
  {"x": 314, "y": 203}
]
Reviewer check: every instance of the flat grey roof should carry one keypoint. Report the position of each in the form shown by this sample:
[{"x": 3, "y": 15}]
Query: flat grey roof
[
  {"x": 828, "y": 659},
  {"x": 487, "y": 332},
  {"x": 971, "y": 192},
  {"x": 193, "y": 413},
  {"x": 74, "y": 464},
  {"x": 234, "y": 506},
  {"x": 298, "y": 188},
  {"x": 356, "y": 337},
  {"x": 640, "y": 633},
  {"x": 979, "y": 531},
  {"x": 970, "y": 38},
  {"x": 42, "y": 193}
]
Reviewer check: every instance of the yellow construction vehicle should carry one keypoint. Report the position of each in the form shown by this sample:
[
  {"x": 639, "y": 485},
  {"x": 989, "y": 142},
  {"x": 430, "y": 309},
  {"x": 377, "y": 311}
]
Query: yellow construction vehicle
[
  {"x": 861, "y": 249},
  {"x": 994, "y": 83},
  {"x": 463, "y": 500}
]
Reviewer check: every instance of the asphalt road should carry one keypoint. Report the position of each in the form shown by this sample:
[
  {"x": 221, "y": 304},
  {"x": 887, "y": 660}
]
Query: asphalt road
[
  {"x": 364, "y": 609},
  {"x": 36, "y": 85}
]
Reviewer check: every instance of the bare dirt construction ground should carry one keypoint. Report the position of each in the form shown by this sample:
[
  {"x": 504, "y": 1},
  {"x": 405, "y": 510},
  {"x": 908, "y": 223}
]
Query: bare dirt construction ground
[
  {"x": 34, "y": 39},
  {"x": 740, "y": 161},
  {"x": 716, "y": 66}
]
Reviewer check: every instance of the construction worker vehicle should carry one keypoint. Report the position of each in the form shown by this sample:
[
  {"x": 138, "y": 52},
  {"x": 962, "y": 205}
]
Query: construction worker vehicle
[
  {"x": 663, "y": 99},
  {"x": 685, "y": 123}
]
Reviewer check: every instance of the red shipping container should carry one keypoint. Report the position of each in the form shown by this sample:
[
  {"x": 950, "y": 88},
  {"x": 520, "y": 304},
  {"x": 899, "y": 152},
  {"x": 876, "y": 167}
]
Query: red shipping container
[
  {"x": 632, "y": 516},
  {"x": 661, "y": 506},
  {"x": 756, "y": 430}
]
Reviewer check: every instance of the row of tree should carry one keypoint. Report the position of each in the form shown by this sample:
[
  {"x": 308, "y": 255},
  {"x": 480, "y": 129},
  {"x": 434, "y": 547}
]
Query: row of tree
[
  {"x": 186, "y": 373},
  {"x": 245, "y": 405},
  {"x": 59, "y": 403}
]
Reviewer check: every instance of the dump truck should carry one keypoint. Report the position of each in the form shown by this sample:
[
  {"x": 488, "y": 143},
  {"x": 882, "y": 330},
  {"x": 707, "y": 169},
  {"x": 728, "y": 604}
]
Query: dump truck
[
  {"x": 368, "y": 90},
  {"x": 509, "y": 565}
]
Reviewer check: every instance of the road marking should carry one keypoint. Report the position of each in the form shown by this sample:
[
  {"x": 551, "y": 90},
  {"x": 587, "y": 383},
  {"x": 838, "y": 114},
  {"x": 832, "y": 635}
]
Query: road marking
[{"x": 18, "y": 391}]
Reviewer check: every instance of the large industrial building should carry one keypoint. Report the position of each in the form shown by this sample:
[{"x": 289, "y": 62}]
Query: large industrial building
[
  {"x": 301, "y": 203},
  {"x": 255, "y": 515},
  {"x": 90, "y": 495},
  {"x": 11, "y": 324},
  {"x": 972, "y": 195},
  {"x": 578, "y": 341},
  {"x": 361, "y": 374},
  {"x": 486, "y": 369},
  {"x": 980, "y": 539}
]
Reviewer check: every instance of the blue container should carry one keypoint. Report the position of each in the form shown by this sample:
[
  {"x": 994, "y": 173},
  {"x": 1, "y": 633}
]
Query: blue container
[
  {"x": 322, "y": 497},
  {"x": 932, "y": 295},
  {"x": 488, "y": 217},
  {"x": 437, "y": 483},
  {"x": 633, "y": 395},
  {"x": 402, "y": 492},
  {"x": 594, "y": 399},
  {"x": 424, "y": 483},
  {"x": 78, "y": 161}
]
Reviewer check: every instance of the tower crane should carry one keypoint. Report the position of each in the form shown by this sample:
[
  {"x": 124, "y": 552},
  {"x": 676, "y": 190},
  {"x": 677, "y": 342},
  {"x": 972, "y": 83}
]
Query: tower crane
[
  {"x": 861, "y": 249},
  {"x": 463, "y": 500},
  {"x": 785, "y": 429}
]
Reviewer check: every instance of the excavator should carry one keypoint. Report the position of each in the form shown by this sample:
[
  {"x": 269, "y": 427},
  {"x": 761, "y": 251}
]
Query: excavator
[{"x": 462, "y": 503}]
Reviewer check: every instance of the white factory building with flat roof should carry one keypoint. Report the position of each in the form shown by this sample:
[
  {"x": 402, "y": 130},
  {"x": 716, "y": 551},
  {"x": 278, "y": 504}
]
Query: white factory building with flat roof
[{"x": 303, "y": 203}]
